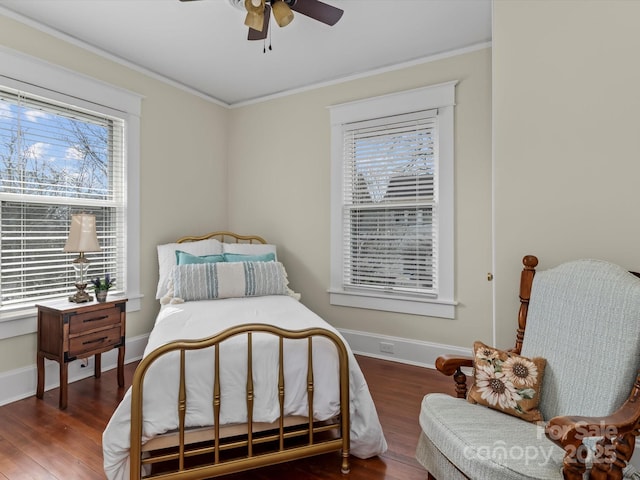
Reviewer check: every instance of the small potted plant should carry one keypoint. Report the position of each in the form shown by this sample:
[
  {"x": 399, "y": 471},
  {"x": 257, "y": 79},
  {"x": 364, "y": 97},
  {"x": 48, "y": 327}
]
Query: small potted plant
[{"x": 101, "y": 286}]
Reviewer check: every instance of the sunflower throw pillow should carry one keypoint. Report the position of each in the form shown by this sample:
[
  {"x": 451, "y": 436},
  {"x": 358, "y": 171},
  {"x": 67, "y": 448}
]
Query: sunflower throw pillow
[{"x": 507, "y": 382}]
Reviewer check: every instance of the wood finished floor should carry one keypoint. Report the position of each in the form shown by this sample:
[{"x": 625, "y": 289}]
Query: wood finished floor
[{"x": 38, "y": 441}]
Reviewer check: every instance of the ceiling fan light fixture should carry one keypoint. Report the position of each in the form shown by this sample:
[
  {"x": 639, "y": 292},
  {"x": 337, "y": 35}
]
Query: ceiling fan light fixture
[
  {"x": 282, "y": 13},
  {"x": 255, "y": 14}
]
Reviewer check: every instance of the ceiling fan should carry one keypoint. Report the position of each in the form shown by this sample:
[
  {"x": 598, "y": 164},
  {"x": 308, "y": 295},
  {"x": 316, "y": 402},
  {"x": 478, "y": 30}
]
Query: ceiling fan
[{"x": 259, "y": 13}]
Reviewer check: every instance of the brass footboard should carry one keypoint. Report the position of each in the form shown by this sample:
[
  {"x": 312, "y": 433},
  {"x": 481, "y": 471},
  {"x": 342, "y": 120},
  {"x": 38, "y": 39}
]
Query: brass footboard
[{"x": 221, "y": 449}]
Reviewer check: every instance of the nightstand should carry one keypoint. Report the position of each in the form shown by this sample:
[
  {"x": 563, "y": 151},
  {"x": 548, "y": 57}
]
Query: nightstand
[{"x": 67, "y": 331}]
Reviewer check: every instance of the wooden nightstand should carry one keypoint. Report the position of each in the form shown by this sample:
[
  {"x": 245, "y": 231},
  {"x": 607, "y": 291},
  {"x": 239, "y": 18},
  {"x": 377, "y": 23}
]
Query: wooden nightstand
[{"x": 67, "y": 331}]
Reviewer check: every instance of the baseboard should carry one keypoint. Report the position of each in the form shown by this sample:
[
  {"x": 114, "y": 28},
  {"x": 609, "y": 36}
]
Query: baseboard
[
  {"x": 21, "y": 383},
  {"x": 397, "y": 349}
]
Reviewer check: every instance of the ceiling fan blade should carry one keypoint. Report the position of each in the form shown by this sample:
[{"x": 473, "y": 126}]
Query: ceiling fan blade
[
  {"x": 318, "y": 11},
  {"x": 257, "y": 35}
]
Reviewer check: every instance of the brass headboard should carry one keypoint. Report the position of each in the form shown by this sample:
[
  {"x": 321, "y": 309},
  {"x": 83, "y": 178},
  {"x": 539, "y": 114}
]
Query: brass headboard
[{"x": 227, "y": 237}]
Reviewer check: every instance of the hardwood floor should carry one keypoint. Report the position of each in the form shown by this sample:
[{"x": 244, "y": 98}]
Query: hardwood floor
[{"x": 38, "y": 441}]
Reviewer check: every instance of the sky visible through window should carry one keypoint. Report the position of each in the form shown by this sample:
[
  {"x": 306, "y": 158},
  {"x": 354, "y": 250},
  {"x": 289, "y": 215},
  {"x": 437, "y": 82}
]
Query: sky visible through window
[{"x": 48, "y": 151}]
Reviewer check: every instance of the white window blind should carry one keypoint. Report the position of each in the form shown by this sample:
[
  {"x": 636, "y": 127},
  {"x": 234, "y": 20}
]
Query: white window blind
[
  {"x": 55, "y": 160},
  {"x": 390, "y": 209}
]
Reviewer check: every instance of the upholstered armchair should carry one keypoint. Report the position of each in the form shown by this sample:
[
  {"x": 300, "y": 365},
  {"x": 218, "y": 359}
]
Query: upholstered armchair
[{"x": 582, "y": 319}]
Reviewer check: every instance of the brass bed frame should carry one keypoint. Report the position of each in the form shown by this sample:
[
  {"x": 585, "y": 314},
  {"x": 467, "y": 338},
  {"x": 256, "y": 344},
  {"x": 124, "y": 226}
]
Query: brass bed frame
[{"x": 223, "y": 449}]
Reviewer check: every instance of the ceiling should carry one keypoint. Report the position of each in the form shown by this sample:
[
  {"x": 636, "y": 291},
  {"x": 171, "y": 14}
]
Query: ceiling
[{"x": 203, "y": 46}]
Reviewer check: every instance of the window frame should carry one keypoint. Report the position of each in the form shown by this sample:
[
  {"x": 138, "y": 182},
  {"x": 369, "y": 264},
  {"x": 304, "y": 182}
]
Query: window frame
[
  {"x": 442, "y": 98},
  {"x": 36, "y": 77}
]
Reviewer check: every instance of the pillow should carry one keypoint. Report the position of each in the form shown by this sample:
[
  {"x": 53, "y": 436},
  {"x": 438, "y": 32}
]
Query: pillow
[
  {"x": 204, "y": 281},
  {"x": 167, "y": 258},
  {"x": 507, "y": 382},
  {"x": 184, "y": 258},
  {"x": 237, "y": 257},
  {"x": 249, "y": 248}
]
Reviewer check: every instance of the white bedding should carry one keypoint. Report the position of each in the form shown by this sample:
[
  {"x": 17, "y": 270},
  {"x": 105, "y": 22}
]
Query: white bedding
[{"x": 194, "y": 320}]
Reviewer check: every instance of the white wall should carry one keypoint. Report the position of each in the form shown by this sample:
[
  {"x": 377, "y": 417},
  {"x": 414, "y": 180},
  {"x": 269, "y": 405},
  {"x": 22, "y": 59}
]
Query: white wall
[
  {"x": 566, "y": 105},
  {"x": 279, "y": 186}
]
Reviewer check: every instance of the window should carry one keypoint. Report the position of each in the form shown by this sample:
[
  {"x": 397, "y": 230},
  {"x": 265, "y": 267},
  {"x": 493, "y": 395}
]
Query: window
[
  {"x": 392, "y": 202},
  {"x": 68, "y": 144},
  {"x": 56, "y": 160}
]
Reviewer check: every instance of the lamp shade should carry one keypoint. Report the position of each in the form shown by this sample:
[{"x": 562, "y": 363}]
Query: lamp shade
[
  {"x": 82, "y": 235},
  {"x": 282, "y": 13},
  {"x": 255, "y": 21},
  {"x": 255, "y": 14}
]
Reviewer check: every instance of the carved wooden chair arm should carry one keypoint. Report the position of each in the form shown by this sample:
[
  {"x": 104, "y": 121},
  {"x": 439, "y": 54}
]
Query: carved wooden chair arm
[
  {"x": 452, "y": 366},
  {"x": 613, "y": 450}
]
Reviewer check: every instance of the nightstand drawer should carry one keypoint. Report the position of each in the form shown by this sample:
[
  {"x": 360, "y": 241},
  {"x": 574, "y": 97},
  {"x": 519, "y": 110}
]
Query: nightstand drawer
[
  {"x": 100, "y": 340},
  {"x": 83, "y": 322}
]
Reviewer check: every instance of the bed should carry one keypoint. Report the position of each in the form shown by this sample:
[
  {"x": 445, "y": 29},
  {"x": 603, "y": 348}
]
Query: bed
[{"x": 237, "y": 373}]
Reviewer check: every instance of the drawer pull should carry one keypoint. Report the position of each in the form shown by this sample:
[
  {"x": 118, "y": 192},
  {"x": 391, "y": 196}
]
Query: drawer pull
[
  {"x": 97, "y": 340},
  {"x": 95, "y": 319}
]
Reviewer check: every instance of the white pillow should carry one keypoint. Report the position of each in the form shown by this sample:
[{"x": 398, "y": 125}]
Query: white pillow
[
  {"x": 249, "y": 248},
  {"x": 167, "y": 258}
]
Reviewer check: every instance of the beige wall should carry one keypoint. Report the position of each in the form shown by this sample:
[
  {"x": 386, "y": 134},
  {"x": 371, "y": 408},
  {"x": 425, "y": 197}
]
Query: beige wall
[
  {"x": 566, "y": 106},
  {"x": 183, "y": 165},
  {"x": 279, "y": 186}
]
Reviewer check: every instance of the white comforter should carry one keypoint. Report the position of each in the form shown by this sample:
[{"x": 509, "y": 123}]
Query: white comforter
[{"x": 194, "y": 320}]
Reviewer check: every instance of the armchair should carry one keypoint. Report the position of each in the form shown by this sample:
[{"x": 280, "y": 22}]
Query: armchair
[{"x": 583, "y": 318}]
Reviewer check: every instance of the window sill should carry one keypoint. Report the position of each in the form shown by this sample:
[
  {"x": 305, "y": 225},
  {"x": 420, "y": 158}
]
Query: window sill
[
  {"x": 23, "y": 321},
  {"x": 428, "y": 307}
]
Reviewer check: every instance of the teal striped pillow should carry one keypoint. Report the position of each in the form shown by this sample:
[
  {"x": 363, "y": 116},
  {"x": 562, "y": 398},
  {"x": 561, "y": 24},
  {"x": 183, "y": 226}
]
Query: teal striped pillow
[{"x": 203, "y": 281}]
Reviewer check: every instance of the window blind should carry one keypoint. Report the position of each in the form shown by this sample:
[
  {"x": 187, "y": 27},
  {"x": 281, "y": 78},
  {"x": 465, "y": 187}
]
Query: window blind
[
  {"x": 390, "y": 204},
  {"x": 56, "y": 160}
]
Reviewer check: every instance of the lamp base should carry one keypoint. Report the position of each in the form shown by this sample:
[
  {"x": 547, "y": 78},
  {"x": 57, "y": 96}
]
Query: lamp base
[
  {"x": 81, "y": 299},
  {"x": 81, "y": 296}
]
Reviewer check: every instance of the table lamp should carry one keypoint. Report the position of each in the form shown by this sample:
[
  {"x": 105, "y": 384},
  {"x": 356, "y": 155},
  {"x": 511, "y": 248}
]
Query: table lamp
[{"x": 82, "y": 238}]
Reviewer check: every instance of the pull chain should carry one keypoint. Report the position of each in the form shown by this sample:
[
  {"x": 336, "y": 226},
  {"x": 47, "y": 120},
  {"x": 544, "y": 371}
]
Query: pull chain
[{"x": 264, "y": 41}]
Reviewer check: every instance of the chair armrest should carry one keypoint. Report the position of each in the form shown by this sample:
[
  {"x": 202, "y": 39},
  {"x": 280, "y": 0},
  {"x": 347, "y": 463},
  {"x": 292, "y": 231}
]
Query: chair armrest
[
  {"x": 613, "y": 451},
  {"x": 448, "y": 364},
  {"x": 452, "y": 366}
]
